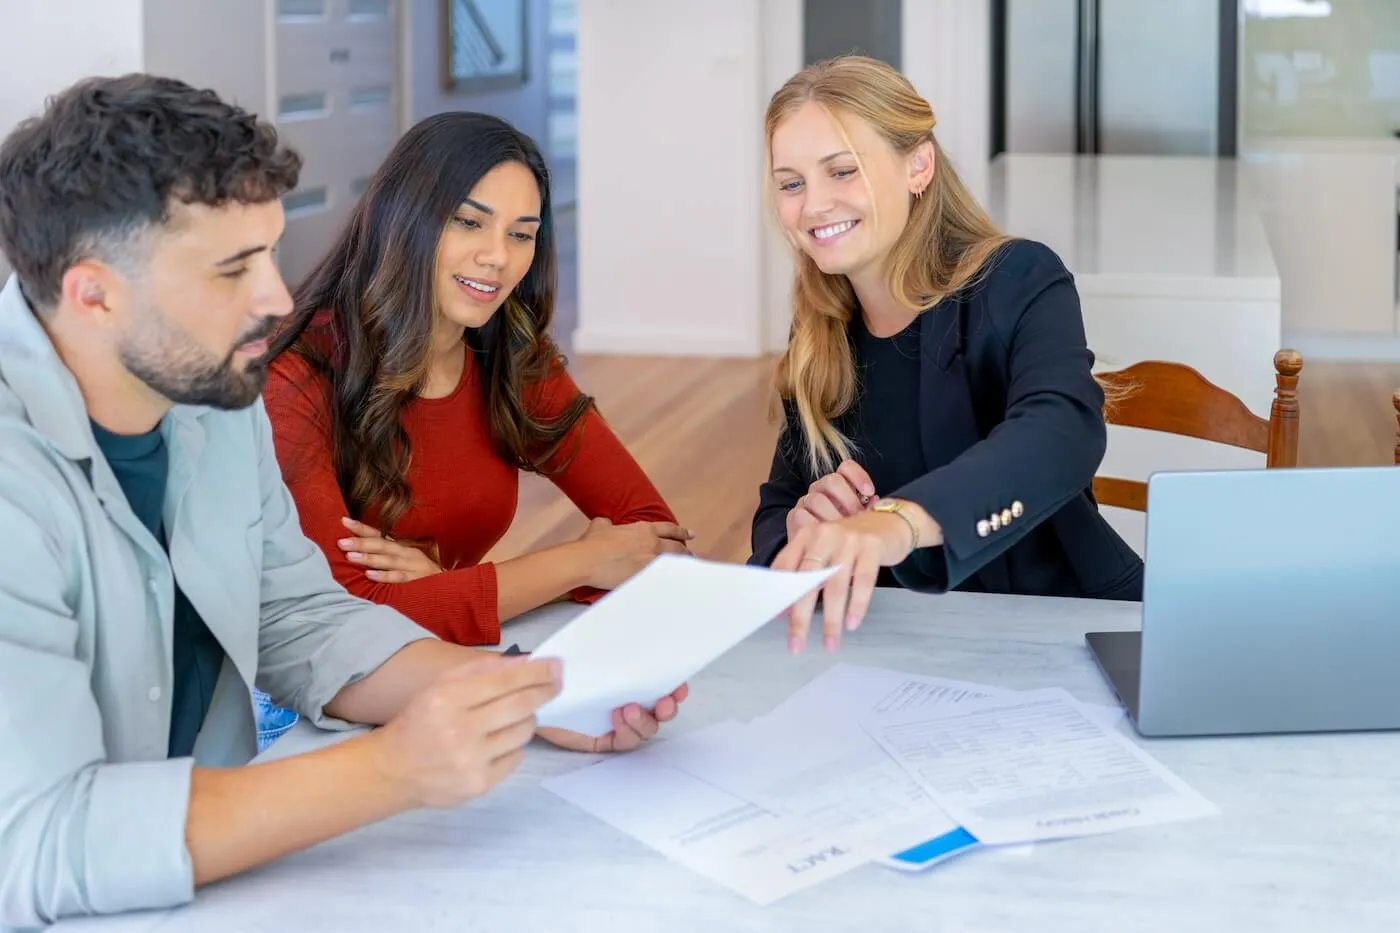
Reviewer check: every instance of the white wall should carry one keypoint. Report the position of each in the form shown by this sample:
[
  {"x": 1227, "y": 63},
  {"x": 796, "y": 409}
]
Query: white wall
[
  {"x": 46, "y": 46},
  {"x": 235, "y": 64},
  {"x": 782, "y": 58},
  {"x": 947, "y": 57},
  {"x": 677, "y": 251},
  {"x": 670, "y": 218}
]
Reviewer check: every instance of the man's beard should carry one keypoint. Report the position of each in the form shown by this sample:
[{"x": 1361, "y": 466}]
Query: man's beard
[{"x": 173, "y": 365}]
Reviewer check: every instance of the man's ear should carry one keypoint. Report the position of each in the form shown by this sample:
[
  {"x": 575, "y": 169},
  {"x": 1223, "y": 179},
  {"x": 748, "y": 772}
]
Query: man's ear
[{"x": 88, "y": 288}]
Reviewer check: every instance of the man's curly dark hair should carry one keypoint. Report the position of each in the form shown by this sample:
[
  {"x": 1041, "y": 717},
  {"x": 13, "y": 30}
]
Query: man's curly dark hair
[{"x": 92, "y": 174}]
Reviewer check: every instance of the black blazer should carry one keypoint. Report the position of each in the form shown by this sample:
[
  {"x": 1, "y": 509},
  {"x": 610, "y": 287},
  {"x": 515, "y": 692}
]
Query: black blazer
[{"x": 1010, "y": 413}]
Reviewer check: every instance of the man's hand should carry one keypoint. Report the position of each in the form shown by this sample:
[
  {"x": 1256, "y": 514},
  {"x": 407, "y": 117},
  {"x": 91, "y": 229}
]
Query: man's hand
[
  {"x": 465, "y": 732},
  {"x": 632, "y": 725},
  {"x": 458, "y": 720}
]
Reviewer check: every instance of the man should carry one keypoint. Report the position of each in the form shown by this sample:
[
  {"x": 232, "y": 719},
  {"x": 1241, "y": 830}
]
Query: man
[{"x": 154, "y": 568}]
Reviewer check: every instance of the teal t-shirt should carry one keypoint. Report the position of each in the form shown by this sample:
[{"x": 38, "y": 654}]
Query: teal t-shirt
[{"x": 142, "y": 465}]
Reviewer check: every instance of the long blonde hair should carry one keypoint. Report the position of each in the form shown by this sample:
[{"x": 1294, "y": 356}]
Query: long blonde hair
[{"x": 946, "y": 242}]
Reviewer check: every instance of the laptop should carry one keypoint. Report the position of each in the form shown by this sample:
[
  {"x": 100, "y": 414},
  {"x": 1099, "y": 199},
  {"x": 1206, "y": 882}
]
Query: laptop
[{"x": 1271, "y": 604}]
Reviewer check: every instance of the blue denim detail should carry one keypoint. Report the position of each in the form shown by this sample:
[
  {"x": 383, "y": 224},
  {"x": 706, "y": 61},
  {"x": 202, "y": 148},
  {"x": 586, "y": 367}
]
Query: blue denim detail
[{"x": 272, "y": 720}]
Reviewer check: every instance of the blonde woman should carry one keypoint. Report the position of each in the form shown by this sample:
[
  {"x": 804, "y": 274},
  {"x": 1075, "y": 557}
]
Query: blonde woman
[{"x": 942, "y": 424}]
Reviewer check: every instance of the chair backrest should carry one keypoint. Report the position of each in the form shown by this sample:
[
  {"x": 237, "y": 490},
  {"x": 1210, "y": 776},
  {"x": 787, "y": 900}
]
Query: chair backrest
[
  {"x": 1395, "y": 401},
  {"x": 1175, "y": 399}
]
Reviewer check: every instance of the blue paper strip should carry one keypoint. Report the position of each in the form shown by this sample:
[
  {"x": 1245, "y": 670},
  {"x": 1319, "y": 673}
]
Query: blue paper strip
[{"x": 938, "y": 847}]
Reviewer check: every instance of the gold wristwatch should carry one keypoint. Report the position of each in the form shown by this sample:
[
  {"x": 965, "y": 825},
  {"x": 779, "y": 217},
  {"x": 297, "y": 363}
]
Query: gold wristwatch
[{"x": 896, "y": 507}]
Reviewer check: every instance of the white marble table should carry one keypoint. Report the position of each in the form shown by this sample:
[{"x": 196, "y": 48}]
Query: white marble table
[{"x": 1309, "y": 838}]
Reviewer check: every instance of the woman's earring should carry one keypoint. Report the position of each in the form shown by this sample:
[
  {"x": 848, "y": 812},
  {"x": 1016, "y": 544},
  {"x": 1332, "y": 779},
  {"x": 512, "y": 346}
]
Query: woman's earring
[{"x": 918, "y": 194}]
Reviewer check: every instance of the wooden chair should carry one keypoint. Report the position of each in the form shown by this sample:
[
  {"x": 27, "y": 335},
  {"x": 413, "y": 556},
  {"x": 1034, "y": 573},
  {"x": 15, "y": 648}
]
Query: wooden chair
[
  {"x": 1176, "y": 399},
  {"x": 1395, "y": 401}
]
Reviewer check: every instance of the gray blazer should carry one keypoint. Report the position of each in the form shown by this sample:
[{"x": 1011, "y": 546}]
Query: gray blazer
[{"x": 92, "y": 814}]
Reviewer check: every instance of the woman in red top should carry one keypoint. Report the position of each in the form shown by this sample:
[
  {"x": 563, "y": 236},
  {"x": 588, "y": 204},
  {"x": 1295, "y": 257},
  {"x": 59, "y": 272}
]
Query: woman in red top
[{"x": 416, "y": 377}]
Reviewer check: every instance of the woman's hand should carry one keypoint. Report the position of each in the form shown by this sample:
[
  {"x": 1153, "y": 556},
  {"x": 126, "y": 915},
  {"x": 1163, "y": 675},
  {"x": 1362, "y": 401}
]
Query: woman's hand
[
  {"x": 846, "y": 492},
  {"x": 632, "y": 726},
  {"x": 615, "y": 552},
  {"x": 384, "y": 559},
  {"x": 859, "y": 545}
]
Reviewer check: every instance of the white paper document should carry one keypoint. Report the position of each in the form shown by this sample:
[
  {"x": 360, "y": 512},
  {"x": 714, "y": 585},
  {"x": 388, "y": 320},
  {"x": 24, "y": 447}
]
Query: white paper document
[
  {"x": 836, "y": 769},
  {"x": 657, "y": 630},
  {"x": 823, "y": 763},
  {"x": 820, "y": 730},
  {"x": 1031, "y": 766},
  {"x": 759, "y": 854},
  {"x": 844, "y": 695},
  {"x": 853, "y": 794}
]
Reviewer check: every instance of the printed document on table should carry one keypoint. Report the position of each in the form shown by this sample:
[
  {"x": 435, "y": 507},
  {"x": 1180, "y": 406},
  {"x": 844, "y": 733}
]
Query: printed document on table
[
  {"x": 821, "y": 762},
  {"x": 811, "y": 757},
  {"x": 849, "y": 791},
  {"x": 1033, "y": 765},
  {"x": 843, "y": 695},
  {"x": 762, "y": 855},
  {"x": 840, "y": 696},
  {"x": 659, "y": 629}
]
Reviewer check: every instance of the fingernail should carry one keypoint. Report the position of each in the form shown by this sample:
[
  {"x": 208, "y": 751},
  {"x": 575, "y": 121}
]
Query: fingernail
[
  {"x": 372, "y": 574},
  {"x": 829, "y": 642},
  {"x": 852, "y": 622},
  {"x": 556, "y": 670},
  {"x": 354, "y": 555},
  {"x": 689, "y": 534},
  {"x": 346, "y": 542},
  {"x": 348, "y": 522},
  {"x": 794, "y": 644}
]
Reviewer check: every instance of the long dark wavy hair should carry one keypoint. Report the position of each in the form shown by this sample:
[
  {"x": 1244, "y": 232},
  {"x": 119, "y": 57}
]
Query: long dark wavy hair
[{"x": 376, "y": 284}]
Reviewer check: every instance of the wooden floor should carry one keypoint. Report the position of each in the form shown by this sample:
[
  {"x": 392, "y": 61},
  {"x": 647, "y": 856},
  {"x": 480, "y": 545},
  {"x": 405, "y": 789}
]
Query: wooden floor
[{"x": 702, "y": 430}]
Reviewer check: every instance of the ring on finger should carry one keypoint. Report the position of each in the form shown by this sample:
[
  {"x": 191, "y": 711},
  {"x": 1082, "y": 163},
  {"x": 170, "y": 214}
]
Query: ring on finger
[{"x": 819, "y": 561}]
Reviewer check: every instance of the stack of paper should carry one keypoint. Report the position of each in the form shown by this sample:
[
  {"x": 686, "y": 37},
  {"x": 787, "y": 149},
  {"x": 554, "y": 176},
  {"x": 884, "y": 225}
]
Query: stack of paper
[
  {"x": 866, "y": 764},
  {"x": 861, "y": 764}
]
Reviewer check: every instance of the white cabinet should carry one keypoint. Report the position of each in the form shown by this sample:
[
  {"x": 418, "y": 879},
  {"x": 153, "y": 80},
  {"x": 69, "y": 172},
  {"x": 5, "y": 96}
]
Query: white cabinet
[
  {"x": 325, "y": 71},
  {"x": 1329, "y": 206}
]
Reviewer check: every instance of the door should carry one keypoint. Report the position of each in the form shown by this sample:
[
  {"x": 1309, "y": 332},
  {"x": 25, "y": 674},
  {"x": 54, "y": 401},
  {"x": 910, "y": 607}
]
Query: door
[
  {"x": 1117, "y": 77},
  {"x": 1041, "y": 72},
  {"x": 1159, "y": 77},
  {"x": 335, "y": 92}
]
